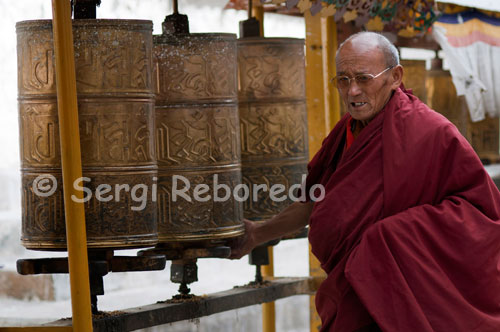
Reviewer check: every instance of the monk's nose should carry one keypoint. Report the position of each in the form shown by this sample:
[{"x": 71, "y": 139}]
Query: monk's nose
[{"x": 353, "y": 89}]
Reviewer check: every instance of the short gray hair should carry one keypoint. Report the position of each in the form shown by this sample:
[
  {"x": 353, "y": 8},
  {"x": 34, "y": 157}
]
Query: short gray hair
[{"x": 390, "y": 51}]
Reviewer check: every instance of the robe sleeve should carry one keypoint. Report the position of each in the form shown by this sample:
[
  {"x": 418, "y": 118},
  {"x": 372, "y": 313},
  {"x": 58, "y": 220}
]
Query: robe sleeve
[{"x": 322, "y": 165}]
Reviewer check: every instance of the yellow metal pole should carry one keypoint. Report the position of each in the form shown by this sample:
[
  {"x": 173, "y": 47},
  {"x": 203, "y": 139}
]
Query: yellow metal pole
[
  {"x": 331, "y": 94},
  {"x": 323, "y": 109},
  {"x": 71, "y": 165},
  {"x": 268, "y": 309},
  {"x": 258, "y": 13}
]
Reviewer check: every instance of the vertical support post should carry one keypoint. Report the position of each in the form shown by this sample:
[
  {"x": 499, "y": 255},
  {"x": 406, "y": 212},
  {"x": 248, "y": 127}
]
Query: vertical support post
[
  {"x": 71, "y": 165},
  {"x": 258, "y": 13},
  {"x": 269, "y": 309},
  {"x": 331, "y": 94},
  {"x": 323, "y": 109}
]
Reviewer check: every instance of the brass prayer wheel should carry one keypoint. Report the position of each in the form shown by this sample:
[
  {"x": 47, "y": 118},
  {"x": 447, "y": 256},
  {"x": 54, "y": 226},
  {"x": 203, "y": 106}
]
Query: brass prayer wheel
[
  {"x": 113, "y": 60},
  {"x": 273, "y": 119},
  {"x": 197, "y": 137}
]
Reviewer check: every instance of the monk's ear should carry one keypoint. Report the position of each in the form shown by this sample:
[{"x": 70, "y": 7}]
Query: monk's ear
[{"x": 397, "y": 76}]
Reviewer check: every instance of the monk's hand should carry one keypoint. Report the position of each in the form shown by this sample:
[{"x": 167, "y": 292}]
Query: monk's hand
[{"x": 244, "y": 244}]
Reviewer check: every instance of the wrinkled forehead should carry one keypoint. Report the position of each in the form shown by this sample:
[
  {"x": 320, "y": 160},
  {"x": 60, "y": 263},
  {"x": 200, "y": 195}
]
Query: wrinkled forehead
[{"x": 359, "y": 55}]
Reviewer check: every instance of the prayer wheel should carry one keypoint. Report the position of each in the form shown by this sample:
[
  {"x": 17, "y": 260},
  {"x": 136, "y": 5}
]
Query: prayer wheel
[
  {"x": 273, "y": 119},
  {"x": 113, "y": 60},
  {"x": 197, "y": 136}
]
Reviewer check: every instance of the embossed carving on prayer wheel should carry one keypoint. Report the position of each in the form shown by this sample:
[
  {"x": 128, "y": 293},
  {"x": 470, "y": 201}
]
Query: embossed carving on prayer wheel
[
  {"x": 113, "y": 60},
  {"x": 273, "y": 119},
  {"x": 197, "y": 136}
]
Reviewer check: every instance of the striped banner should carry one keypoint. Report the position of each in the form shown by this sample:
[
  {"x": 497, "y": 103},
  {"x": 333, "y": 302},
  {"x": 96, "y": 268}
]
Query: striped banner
[{"x": 466, "y": 28}]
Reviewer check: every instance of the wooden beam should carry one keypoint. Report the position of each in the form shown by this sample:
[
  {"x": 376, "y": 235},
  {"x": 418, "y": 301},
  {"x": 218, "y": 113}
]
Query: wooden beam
[
  {"x": 164, "y": 313},
  {"x": 425, "y": 42},
  {"x": 323, "y": 108}
]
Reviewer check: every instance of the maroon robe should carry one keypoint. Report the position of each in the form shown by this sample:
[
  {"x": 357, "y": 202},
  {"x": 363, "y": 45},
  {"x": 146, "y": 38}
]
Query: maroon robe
[{"x": 409, "y": 229}]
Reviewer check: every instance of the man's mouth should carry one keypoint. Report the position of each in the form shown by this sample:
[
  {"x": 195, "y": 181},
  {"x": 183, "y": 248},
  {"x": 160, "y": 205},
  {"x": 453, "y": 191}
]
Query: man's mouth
[{"x": 357, "y": 104}]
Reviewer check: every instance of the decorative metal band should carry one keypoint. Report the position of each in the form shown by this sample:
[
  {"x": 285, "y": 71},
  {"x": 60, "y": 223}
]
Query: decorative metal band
[
  {"x": 116, "y": 24},
  {"x": 120, "y": 242},
  {"x": 261, "y": 205},
  {"x": 127, "y": 209},
  {"x": 212, "y": 234},
  {"x": 273, "y": 131},
  {"x": 271, "y": 68},
  {"x": 197, "y": 136},
  {"x": 111, "y": 134},
  {"x": 201, "y": 212},
  {"x": 111, "y": 56},
  {"x": 195, "y": 67}
]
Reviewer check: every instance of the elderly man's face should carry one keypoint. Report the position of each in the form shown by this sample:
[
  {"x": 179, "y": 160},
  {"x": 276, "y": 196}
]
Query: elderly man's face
[{"x": 365, "y": 99}]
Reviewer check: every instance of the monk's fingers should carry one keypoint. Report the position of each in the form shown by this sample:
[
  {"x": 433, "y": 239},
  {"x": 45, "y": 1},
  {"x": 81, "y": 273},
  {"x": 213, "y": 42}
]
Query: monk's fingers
[{"x": 241, "y": 246}]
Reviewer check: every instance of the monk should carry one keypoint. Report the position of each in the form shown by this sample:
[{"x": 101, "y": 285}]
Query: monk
[{"x": 408, "y": 231}]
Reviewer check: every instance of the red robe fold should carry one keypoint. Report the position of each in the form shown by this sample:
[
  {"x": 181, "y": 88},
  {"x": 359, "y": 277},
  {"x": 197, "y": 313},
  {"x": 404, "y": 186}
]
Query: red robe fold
[{"x": 409, "y": 229}]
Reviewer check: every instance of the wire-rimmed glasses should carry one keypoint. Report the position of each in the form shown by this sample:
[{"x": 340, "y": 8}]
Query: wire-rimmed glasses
[{"x": 343, "y": 82}]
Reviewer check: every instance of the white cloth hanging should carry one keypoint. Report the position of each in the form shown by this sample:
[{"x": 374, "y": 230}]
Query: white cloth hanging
[{"x": 471, "y": 43}]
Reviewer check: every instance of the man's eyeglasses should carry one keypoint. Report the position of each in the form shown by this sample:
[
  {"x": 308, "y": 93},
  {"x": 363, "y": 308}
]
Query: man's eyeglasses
[{"x": 343, "y": 82}]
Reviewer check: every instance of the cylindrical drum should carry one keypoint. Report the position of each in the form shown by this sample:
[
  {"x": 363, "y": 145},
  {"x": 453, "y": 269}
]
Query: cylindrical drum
[
  {"x": 273, "y": 119},
  {"x": 113, "y": 60},
  {"x": 197, "y": 137}
]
